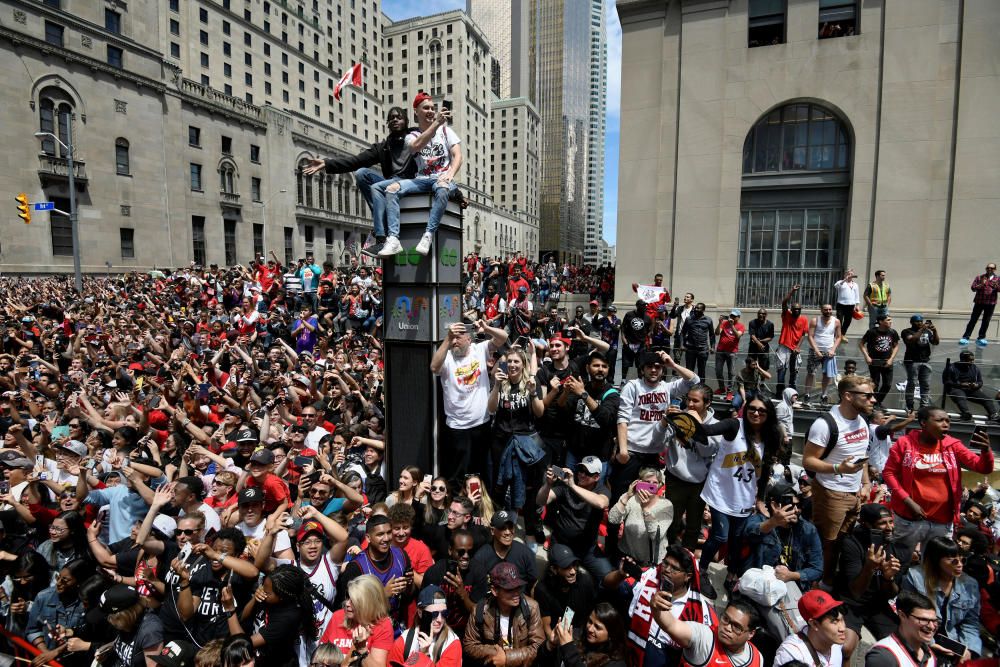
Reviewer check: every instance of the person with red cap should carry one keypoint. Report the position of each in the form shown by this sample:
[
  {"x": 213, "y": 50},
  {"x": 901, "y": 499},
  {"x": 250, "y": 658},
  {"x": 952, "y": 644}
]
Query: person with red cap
[
  {"x": 438, "y": 153},
  {"x": 820, "y": 642}
]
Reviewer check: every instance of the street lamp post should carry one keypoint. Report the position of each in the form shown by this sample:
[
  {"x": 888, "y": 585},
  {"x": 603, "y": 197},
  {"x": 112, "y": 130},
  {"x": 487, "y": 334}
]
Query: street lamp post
[{"x": 74, "y": 225}]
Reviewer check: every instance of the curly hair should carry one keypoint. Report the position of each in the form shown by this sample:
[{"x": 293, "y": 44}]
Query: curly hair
[{"x": 291, "y": 585}]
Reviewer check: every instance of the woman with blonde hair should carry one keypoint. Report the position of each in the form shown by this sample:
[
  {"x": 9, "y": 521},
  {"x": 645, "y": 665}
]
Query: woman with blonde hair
[
  {"x": 515, "y": 406},
  {"x": 361, "y": 629},
  {"x": 484, "y": 506},
  {"x": 430, "y": 635}
]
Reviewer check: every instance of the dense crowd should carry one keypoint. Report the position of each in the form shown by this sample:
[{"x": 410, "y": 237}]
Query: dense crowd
[{"x": 193, "y": 466}]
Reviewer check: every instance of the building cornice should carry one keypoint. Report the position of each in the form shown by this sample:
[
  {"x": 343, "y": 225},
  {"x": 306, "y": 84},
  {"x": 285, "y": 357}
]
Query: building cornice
[
  {"x": 20, "y": 39},
  {"x": 95, "y": 30}
]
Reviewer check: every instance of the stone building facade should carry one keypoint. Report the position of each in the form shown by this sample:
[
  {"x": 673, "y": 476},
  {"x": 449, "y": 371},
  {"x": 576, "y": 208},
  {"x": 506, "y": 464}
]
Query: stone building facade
[{"x": 766, "y": 142}]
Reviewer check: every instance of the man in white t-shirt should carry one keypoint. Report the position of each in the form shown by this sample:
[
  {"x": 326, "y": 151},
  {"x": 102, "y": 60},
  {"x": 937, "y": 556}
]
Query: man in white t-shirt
[
  {"x": 821, "y": 642},
  {"x": 438, "y": 155},
  {"x": 253, "y": 526},
  {"x": 463, "y": 368},
  {"x": 842, "y": 482}
]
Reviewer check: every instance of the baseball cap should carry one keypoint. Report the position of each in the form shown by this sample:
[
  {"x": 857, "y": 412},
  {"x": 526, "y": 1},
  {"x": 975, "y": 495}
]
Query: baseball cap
[
  {"x": 872, "y": 512},
  {"x": 505, "y": 576},
  {"x": 419, "y": 98},
  {"x": 612, "y": 308},
  {"x": 246, "y": 435},
  {"x": 251, "y": 495},
  {"x": 262, "y": 457},
  {"x": 74, "y": 447},
  {"x": 561, "y": 556},
  {"x": 780, "y": 489},
  {"x": 816, "y": 603},
  {"x": 736, "y": 312},
  {"x": 522, "y": 289},
  {"x": 502, "y": 518},
  {"x": 236, "y": 412},
  {"x": 307, "y": 528},
  {"x": 176, "y": 654},
  {"x": 165, "y": 524},
  {"x": 917, "y": 318},
  {"x": 648, "y": 358},
  {"x": 117, "y": 598},
  {"x": 591, "y": 464},
  {"x": 595, "y": 302},
  {"x": 428, "y": 595},
  {"x": 13, "y": 458}
]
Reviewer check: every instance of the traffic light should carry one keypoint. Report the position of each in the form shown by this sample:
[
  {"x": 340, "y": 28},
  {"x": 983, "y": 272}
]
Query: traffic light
[{"x": 23, "y": 208}]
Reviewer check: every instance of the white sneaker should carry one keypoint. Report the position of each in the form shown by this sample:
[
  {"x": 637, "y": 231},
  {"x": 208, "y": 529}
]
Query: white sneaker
[
  {"x": 424, "y": 246},
  {"x": 391, "y": 247}
]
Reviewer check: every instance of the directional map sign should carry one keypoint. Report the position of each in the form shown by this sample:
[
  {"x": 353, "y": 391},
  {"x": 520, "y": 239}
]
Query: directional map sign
[{"x": 44, "y": 206}]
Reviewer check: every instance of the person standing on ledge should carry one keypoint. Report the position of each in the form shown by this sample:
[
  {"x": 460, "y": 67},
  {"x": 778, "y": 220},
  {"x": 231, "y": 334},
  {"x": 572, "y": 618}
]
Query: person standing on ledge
[
  {"x": 438, "y": 154},
  {"x": 391, "y": 155},
  {"x": 986, "y": 287}
]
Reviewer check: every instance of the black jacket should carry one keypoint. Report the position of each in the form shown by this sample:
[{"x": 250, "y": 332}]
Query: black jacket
[{"x": 381, "y": 153}]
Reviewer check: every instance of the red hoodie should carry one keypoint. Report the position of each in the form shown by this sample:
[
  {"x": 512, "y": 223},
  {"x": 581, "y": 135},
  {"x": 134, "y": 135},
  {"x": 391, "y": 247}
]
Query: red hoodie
[{"x": 898, "y": 471}]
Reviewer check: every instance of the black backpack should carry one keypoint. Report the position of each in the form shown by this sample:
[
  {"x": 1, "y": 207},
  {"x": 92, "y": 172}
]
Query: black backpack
[{"x": 831, "y": 443}]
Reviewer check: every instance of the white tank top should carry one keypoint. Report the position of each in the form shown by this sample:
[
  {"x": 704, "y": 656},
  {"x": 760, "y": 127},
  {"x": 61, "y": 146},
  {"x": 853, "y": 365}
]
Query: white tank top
[
  {"x": 824, "y": 334},
  {"x": 731, "y": 485},
  {"x": 903, "y": 657}
]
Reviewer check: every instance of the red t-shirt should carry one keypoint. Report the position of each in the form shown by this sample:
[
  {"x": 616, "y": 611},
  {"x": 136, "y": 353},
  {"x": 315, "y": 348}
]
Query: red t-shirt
[
  {"x": 340, "y": 636},
  {"x": 930, "y": 483},
  {"x": 728, "y": 342},
  {"x": 275, "y": 491},
  {"x": 792, "y": 329}
]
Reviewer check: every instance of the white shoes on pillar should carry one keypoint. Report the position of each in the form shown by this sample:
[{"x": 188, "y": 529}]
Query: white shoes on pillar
[
  {"x": 424, "y": 246},
  {"x": 391, "y": 247}
]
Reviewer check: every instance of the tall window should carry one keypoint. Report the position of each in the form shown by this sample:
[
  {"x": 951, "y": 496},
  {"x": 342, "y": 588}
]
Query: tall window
[
  {"x": 198, "y": 239},
  {"x": 196, "y": 177},
  {"x": 112, "y": 21},
  {"x": 127, "y": 236},
  {"x": 838, "y": 18},
  {"x": 289, "y": 246},
  {"x": 766, "y": 22},
  {"x": 255, "y": 188},
  {"x": 229, "y": 241},
  {"x": 309, "y": 237},
  {"x": 227, "y": 178},
  {"x": 115, "y": 56},
  {"x": 54, "y": 33},
  {"x": 61, "y": 229},
  {"x": 121, "y": 157},
  {"x": 793, "y": 224},
  {"x": 54, "y": 116},
  {"x": 258, "y": 239}
]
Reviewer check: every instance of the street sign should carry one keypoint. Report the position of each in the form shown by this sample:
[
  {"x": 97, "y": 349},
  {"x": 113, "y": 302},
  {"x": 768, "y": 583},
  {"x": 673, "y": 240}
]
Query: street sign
[{"x": 44, "y": 206}]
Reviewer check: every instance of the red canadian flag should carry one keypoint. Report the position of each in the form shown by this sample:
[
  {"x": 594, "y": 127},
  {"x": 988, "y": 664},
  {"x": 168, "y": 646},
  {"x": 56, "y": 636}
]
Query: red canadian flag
[{"x": 351, "y": 76}]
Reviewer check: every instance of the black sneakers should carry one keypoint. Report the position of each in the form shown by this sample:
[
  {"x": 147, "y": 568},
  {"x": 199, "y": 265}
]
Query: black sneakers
[{"x": 372, "y": 250}]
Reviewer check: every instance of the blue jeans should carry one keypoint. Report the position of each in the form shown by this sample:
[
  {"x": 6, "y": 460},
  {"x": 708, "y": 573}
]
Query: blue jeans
[
  {"x": 367, "y": 179},
  {"x": 918, "y": 372},
  {"x": 725, "y": 529},
  {"x": 416, "y": 186}
]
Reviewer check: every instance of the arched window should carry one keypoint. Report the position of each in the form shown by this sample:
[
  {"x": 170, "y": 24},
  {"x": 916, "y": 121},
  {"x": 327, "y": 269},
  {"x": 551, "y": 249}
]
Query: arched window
[
  {"x": 55, "y": 112},
  {"x": 121, "y": 157},
  {"x": 795, "y": 190},
  {"x": 796, "y": 137},
  {"x": 227, "y": 178}
]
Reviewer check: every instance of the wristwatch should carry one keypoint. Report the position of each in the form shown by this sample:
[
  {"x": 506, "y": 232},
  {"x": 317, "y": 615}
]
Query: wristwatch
[{"x": 584, "y": 396}]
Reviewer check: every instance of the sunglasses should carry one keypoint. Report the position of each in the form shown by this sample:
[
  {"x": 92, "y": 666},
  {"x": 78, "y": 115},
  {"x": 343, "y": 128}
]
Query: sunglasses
[
  {"x": 463, "y": 552},
  {"x": 187, "y": 531},
  {"x": 434, "y": 614},
  {"x": 757, "y": 411},
  {"x": 439, "y": 488}
]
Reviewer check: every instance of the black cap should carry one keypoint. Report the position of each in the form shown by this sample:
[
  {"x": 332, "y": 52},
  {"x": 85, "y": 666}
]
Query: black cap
[
  {"x": 118, "y": 598},
  {"x": 780, "y": 489},
  {"x": 176, "y": 654},
  {"x": 251, "y": 495},
  {"x": 262, "y": 457},
  {"x": 502, "y": 518}
]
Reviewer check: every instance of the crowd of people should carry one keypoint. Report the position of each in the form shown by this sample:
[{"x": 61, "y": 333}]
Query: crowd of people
[{"x": 194, "y": 473}]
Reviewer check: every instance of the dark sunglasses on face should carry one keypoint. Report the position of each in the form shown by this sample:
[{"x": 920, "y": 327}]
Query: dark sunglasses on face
[
  {"x": 755, "y": 410},
  {"x": 187, "y": 531},
  {"x": 463, "y": 552},
  {"x": 439, "y": 488},
  {"x": 435, "y": 614}
]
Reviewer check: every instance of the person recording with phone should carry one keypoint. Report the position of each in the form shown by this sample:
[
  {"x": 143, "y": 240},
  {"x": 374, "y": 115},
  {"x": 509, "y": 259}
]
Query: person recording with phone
[
  {"x": 924, "y": 476},
  {"x": 564, "y": 586},
  {"x": 431, "y": 641},
  {"x": 450, "y": 575},
  {"x": 868, "y": 576},
  {"x": 598, "y": 641},
  {"x": 647, "y": 518}
]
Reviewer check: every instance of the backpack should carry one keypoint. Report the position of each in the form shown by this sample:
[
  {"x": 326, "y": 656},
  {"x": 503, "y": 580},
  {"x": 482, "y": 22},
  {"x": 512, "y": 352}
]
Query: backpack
[{"x": 831, "y": 423}]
